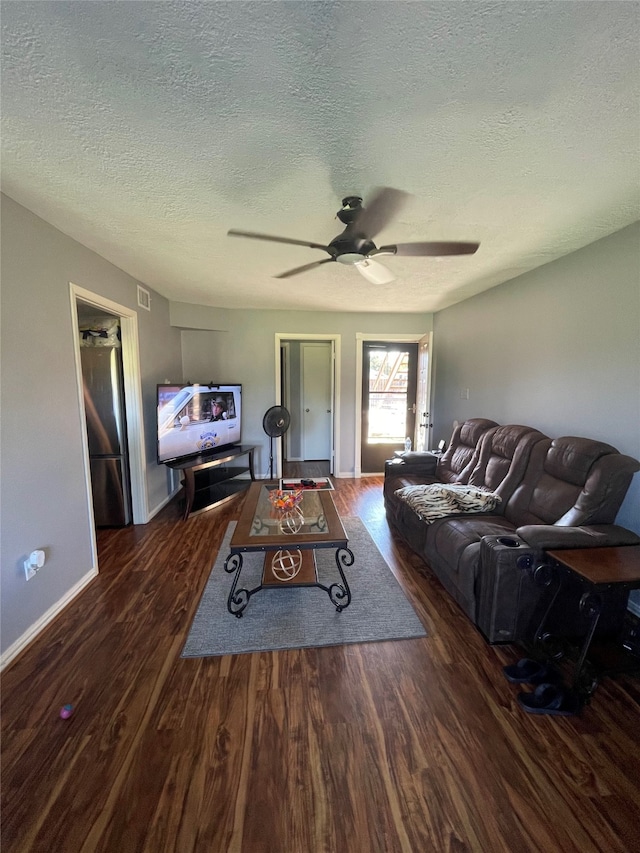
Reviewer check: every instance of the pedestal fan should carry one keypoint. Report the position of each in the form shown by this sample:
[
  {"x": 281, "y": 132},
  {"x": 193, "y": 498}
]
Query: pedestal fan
[{"x": 275, "y": 423}]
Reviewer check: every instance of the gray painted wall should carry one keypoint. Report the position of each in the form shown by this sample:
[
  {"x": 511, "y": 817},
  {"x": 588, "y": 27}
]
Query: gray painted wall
[
  {"x": 245, "y": 352},
  {"x": 44, "y": 501},
  {"x": 557, "y": 349}
]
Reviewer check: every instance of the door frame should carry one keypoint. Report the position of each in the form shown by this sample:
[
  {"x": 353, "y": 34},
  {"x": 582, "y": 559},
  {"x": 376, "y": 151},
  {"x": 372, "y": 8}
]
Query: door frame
[
  {"x": 132, "y": 395},
  {"x": 335, "y": 340},
  {"x": 285, "y": 368},
  {"x": 423, "y": 397},
  {"x": 361, "y": 337}
]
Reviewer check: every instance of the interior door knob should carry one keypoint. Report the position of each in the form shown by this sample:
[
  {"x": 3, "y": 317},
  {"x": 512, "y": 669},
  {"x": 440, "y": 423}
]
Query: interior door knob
[{"x": 306, "y": 410}]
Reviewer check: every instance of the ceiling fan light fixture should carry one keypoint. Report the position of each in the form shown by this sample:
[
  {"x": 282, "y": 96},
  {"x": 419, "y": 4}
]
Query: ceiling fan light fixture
[
  {"x": 355, "y": 246},
  {"x": 374, "y": 272},
  {"x": 350, "y": 258}
]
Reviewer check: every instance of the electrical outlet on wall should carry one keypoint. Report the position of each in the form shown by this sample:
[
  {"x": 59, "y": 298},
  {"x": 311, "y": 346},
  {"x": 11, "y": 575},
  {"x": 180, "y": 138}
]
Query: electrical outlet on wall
[
  {"x": 33, "y": 563},
  {"x": 464, "y": 393}
]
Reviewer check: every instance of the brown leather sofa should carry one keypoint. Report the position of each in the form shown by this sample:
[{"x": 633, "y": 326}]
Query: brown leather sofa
[
  {"x": 454, "y": 466},
  {"x": 560, "y": 493}
]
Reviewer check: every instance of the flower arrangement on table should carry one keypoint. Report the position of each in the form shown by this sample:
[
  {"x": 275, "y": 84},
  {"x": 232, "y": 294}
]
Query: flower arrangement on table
[{"x": 285, "y": 501}]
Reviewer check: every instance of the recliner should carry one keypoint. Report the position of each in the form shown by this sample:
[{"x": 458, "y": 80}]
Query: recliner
[
  {"x": 560, "y": 493},
  {"x": 455, "y": 465}
]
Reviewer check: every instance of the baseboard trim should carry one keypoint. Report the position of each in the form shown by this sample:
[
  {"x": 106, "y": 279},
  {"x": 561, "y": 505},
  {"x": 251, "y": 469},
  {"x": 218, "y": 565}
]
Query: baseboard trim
[
  {"x": 39, "y": 625},
  {"x": 162, "y": 505}
]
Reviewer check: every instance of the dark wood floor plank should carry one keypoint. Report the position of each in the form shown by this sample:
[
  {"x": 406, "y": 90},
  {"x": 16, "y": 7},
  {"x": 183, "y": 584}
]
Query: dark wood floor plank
[{"x": 394, "y": 747}]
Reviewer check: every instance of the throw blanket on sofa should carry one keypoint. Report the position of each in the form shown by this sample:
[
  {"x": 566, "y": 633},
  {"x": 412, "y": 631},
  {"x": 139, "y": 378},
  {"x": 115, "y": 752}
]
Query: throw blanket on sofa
[{"x": 438, "y": 500}]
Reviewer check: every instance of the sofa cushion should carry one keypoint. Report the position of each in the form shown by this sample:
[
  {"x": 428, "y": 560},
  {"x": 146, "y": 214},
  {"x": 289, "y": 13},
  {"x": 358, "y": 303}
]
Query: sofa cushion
[
  {"x": 504, "y": 454},
  {"x": 553, "y": 492},
  {"x": 452, "y": 549},
  {"x": 603, "y": 491},
  {"x": 438, "y": 500},
  {"x": 571, "y": 458},
  {"x": 460, "y": 458},
  {"x": 451, "y": 536}
]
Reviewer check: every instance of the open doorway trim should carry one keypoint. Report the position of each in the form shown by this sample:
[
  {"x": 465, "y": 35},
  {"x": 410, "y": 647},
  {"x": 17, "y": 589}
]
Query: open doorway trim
[
  {"x": 424, "y": 395},
  {"x": 360, "y": 338},
  {"x": 133, "y": 399},
  {"x": 285, "y": 367},
  {"x": 335, "y": 432}
]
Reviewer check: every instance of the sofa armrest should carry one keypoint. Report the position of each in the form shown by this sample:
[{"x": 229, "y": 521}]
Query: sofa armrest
[
  {"x": 550, "y": 536},
  {"x": 414, "y": 462}
]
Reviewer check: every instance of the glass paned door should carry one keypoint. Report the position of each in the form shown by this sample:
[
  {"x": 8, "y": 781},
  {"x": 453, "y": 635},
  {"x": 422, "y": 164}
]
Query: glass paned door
[{"x": 389, "y": 383}]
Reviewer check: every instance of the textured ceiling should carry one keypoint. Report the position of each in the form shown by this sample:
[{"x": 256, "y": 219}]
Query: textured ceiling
[{"x": 146, "y": 130}]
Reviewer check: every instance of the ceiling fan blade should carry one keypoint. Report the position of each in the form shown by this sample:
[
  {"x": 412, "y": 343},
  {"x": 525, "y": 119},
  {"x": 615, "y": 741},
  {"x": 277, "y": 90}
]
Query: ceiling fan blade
[
  {"x": 374, "y": 271},
  {"x": 254, "y": 236},
  {"x": 379, "y": 211},
  {"x": 304, "y": 268},
  {"x": 428, "y": 249}
]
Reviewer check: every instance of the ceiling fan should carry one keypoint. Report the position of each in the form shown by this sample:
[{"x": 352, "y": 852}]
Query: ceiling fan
[{"x": 355, "y": 246}]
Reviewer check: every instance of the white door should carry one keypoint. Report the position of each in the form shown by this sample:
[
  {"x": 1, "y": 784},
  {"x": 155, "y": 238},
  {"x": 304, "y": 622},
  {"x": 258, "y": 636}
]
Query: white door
[{"x": 316, "y": 400}]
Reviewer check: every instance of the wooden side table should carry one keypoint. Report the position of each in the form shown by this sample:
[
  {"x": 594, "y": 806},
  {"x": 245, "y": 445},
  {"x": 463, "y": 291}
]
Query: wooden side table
[{"x": 601, "y": 571}]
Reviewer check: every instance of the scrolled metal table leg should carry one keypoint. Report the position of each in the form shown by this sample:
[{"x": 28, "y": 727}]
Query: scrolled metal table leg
[
  {"x": 237, "y": 601},
  {"x": 340, "y": 594}
]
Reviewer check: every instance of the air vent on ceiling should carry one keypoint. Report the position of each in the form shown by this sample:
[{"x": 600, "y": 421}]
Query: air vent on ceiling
[{"x": 144, "y": 298}]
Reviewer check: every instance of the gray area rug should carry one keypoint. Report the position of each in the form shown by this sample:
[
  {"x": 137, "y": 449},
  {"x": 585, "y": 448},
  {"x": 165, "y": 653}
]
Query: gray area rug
[{"x": 303, "y": 617}]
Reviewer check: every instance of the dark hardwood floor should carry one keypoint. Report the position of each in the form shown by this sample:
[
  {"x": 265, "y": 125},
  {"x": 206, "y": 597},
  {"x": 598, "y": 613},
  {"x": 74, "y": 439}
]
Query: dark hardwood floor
[
  {"x": 319, "y": 468},
  {"x": 409, "y": 746}
]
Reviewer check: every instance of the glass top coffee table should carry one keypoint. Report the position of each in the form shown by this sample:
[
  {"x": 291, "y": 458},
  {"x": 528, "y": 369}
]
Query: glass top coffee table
[{"x": 289, "y": 538}]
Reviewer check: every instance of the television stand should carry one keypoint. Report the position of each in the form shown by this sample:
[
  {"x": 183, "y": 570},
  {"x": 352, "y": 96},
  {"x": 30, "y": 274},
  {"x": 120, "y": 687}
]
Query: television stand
[{"x": 208, "y": 480}]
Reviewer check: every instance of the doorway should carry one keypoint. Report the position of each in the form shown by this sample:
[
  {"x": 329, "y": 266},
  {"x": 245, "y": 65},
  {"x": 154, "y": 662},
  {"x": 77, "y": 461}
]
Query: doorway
[
  {"x": 307, "y": 384},
  {"x": 389, "y": 386},
  {"x": 106, "y": 424},
  {"x": 316, "y": 363},
  {"x": 132, "y": 396}
]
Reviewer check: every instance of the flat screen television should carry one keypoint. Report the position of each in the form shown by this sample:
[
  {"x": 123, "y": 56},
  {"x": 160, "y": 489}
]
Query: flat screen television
[{"x": 197, "y": 419}]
